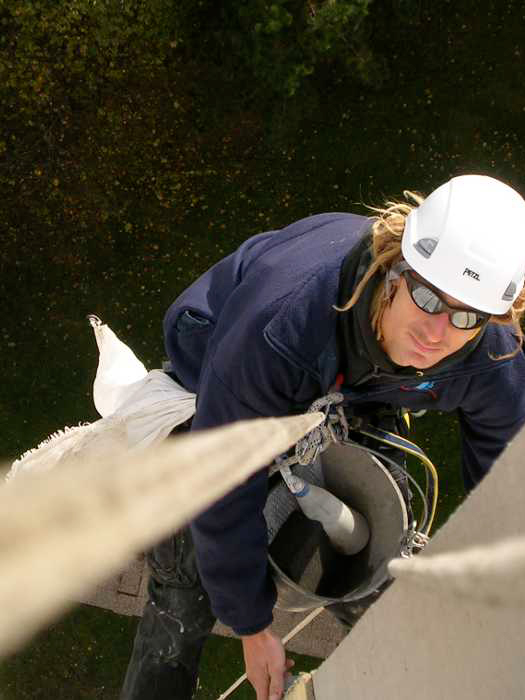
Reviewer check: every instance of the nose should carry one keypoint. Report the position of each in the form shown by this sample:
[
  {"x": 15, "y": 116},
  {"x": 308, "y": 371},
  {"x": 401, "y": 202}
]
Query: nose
[{"x": 436, "y": 327}]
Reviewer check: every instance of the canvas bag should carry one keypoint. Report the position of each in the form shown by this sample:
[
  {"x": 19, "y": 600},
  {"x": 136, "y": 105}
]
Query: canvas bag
[{"x": 138, "y": 409}]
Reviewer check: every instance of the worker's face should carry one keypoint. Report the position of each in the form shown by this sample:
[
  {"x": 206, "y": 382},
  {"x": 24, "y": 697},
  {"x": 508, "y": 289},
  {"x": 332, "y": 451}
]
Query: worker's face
[{"x": 415, "y": 338}]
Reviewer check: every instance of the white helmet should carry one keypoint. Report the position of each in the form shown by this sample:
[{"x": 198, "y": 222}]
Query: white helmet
[{"x": 467, "y": 238}]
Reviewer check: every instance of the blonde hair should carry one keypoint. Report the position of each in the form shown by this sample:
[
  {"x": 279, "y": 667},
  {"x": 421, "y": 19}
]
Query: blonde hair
[{"x": 387, "y": 232}]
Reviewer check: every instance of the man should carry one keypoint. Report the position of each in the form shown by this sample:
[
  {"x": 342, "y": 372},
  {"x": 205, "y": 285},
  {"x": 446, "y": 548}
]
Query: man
[{"x": 418, "y": 307}]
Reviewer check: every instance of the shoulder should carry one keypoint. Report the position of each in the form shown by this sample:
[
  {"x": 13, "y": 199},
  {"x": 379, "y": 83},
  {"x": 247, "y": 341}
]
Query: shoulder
[
  {"x": 284, "y": 300},
  {"x": 293, "y": 260},
  {"x": 499, "y": 379},
  {"x": 498, "y": 342},
  {"x": 339, "y": 230}
]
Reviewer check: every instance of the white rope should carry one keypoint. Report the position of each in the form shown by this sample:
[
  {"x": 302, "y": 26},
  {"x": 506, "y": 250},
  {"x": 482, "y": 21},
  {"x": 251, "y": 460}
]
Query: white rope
[
  {"x": 295, "y": 631},
  {"x": 493, "y": 574},
  {"x": 64, "y": 531}
]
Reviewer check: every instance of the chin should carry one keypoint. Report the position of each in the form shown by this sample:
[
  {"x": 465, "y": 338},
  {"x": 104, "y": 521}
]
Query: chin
[
  {"x": 422, "y": 365},
  {"x": 425, "y": 362},
  {"x": 414, "y": 359}
]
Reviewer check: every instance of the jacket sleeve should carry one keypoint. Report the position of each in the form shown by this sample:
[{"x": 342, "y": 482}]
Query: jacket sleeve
[
  {"x": 491, "y": 416},
  {"x": 243, "y": 379}
]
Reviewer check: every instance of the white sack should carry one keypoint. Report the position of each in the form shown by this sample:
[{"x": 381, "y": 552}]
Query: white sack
[
  {"x": 118, "y": 370},
  {"x": 139, "y": 409},
  {"x": 154, "y": 408}
]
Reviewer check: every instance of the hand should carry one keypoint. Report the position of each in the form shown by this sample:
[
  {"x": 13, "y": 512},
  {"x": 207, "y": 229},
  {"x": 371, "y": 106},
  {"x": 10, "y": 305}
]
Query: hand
[{"x": 266, "y": 664}]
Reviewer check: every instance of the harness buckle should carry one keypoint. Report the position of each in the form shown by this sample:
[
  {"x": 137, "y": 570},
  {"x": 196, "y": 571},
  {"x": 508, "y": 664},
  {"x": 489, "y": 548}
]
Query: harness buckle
[{"x": 334, "y": 429}]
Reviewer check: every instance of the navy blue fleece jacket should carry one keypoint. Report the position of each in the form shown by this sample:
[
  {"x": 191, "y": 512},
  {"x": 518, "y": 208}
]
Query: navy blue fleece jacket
[{"x": 256, "y": 335}]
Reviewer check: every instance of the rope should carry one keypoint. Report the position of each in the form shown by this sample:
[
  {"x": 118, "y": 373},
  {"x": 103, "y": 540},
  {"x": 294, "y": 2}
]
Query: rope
[
  {"x": 64, "y": 531},
  {"x": 478, "y": 573},
  {"x": 334, "y": 428},
  {"x": 298, "y": 628}
]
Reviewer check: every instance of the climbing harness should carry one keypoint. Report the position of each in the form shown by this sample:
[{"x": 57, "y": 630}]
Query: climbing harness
[
  {"x": 333, "y": 429},
  {"x": 337, "y": 428}
]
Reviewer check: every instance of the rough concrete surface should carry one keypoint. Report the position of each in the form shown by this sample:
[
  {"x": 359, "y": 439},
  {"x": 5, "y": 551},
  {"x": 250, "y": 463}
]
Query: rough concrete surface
[{"x": 456, "y": 629}]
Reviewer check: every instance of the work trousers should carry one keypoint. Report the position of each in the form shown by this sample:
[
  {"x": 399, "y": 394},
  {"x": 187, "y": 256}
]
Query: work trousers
[{"x": 176, "y": 621}]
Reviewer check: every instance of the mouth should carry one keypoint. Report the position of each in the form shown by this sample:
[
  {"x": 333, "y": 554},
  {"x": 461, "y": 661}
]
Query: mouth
[{"x": 422, "y": 348}]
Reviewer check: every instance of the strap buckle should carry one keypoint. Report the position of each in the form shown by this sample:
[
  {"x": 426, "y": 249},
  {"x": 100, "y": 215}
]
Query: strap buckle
[{"x": 334, "y": 429}]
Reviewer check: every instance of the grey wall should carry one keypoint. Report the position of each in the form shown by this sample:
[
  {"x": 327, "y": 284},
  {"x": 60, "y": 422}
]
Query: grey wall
[{"x": 441, "y": 636}]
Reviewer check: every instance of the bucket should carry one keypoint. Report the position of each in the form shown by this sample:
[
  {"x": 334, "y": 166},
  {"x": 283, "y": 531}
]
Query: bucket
[{"x": 307, "y": 571}]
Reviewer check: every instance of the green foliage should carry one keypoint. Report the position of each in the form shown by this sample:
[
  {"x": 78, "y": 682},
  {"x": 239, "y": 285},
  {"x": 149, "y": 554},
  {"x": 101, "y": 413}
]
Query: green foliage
[
  {"x": 54, "y": 54},
  {"x": 91, "y": 101},
  {"x": 84, "y": 99},
  {"x": 58, "y": 55},
  {"x": 275, "y": 46}
]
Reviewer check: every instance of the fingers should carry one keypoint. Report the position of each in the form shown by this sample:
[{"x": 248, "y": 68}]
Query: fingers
[
  {"x": 261, "y": 681},
  {"x": 261, "y": 688},
  {"x": 266, "y": 664},
  {"x": 276, "y": 688},
  {"x": 277, "y": 680},
  {"x": 270, "y": 684},
  {"x": 260, "y": 684},
  {"x": 271, "y": 687}
]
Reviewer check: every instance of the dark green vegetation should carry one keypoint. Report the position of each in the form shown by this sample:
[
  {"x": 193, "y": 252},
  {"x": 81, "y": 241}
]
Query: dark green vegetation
[
  {"x": 137, "y": 147},
  {"x": 84, "y": 657}
]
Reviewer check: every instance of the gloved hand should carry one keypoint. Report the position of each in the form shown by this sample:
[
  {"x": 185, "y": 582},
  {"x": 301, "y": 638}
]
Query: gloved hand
[{"x": 266, "y": 664}]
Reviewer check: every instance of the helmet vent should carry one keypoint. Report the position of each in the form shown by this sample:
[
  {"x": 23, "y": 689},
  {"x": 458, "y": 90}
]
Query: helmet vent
[
  {"x": 426, "y": 246},
  {"x": 509, "y": 293}
]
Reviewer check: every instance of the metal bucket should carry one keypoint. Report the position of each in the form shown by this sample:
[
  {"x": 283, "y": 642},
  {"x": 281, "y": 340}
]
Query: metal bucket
[{"x": 307, "y": 571}]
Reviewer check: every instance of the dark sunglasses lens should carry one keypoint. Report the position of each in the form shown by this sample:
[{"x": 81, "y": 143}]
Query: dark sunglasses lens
[
  {"x": 464, "y": 319},
  {"x": 426, "y": 299}
]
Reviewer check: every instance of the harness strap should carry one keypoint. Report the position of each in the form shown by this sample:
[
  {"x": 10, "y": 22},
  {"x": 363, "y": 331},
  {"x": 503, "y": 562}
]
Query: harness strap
[
  {"x": 432, "y": 480},
  {"x": 336, "y": 428}
]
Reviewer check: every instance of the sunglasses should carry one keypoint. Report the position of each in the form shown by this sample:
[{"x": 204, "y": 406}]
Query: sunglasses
[{"x": 430, "y": 301}]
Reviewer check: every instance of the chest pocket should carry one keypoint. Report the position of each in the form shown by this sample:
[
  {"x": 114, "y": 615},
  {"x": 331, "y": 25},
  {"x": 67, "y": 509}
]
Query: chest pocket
[
  {"x": 188, "y": 341},
  {"x": 191, "y": 321}
]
